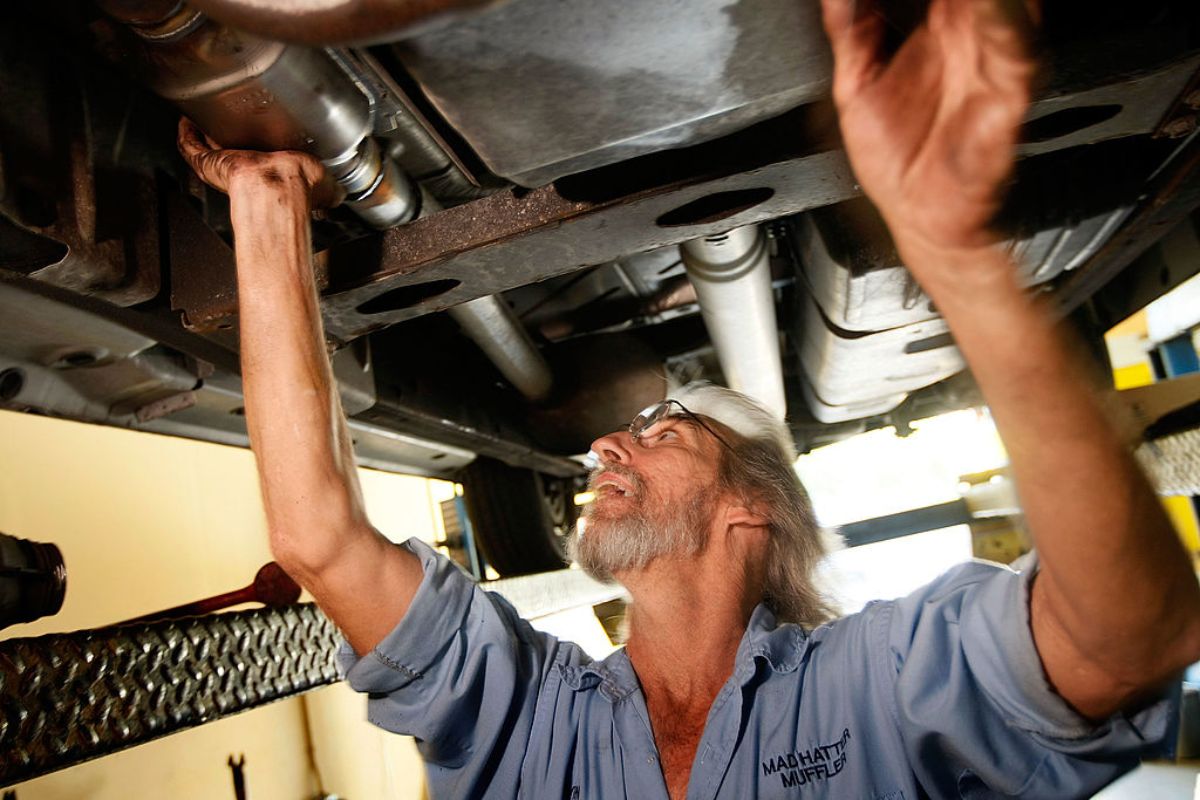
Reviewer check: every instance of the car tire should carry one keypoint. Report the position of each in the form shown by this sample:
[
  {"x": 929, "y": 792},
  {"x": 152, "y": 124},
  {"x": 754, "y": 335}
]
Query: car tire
[{"x": 520, "y": 518}]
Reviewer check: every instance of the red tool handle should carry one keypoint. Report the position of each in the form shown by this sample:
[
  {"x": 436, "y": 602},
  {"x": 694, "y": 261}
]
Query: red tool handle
[{"x": 272, "y": 587}]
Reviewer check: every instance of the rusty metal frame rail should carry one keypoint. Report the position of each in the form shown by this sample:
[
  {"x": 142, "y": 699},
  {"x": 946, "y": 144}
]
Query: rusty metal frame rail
[
  {"x": 518, "y": 237},
  {"x": 67, "y": 698}
]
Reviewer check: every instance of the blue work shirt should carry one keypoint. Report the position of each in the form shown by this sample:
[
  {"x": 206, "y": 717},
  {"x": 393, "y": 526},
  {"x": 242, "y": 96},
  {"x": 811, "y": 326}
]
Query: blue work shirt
[{"x": 938, "y": 694}]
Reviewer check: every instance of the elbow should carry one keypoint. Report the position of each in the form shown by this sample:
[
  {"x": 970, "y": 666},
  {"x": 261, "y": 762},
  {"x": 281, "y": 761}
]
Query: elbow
[
  {"x": 309, "y": 544},
  {"x": 1161, "y": 660},
  {"x": 303, "y": 564},
  {"x": 1099, "y": 671},
  {"x": 1171, "y": 644},
  {"x": 310, "y": 549}
]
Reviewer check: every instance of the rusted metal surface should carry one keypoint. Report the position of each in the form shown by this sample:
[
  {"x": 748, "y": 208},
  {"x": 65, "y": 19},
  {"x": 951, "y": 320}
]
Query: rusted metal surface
[
  {"x": 119, "y": 270},
  {"x": 513, "y": 238},
  {"x": 70, "y": 697},
  {"x": 81, "y": 205},
  {"x": 203, "y": 272},
  {"x": 347, "y": 21},
  {"x": 518, "y": 237},
  {"x": 505, "y": 240},
  {"x": 1184, "y": 115}
]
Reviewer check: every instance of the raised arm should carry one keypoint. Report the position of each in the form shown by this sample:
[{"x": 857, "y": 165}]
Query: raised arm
[
  {"x": 318, "y": 525},
  {"x": 930, "y": 133}
]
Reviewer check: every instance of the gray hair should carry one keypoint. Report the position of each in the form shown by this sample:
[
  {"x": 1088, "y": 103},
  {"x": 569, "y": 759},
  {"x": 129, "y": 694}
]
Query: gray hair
[{"x": 758, "y": 465}]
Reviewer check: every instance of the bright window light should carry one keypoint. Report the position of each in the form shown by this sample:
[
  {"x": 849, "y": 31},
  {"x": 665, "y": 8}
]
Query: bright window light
[{"x": 879, "y": 473}]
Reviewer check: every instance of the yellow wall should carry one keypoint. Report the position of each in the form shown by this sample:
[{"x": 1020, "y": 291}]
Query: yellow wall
[{"x": 146, "y": 522}]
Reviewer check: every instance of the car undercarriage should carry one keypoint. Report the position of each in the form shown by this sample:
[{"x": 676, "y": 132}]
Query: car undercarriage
[{"x": 556, "y": 212}]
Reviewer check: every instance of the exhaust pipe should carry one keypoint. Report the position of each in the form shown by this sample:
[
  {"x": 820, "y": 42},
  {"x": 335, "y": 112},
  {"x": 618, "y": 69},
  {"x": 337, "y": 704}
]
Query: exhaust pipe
[
  {"x": 253, "y": 93},
  {"x": 492, "y": 325},
  {"x": 257, "y": 94},
  {"x": 732, "y": 275}
]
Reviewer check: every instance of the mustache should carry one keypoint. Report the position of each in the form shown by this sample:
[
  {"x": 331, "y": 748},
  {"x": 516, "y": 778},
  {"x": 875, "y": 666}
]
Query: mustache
[{"x": 635, "y": 480}]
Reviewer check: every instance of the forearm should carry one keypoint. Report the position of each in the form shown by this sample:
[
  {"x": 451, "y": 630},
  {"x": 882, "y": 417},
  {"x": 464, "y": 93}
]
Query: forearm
[
  {"x": 1115, "y": 586},
  {"x": 315, "y": 513},
  {"x": 931, "y": 130},
  {"x": 292, "y": 409}
]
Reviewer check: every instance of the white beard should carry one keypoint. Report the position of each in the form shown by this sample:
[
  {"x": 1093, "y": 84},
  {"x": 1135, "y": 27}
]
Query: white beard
[{"x": 606, "y": 542}]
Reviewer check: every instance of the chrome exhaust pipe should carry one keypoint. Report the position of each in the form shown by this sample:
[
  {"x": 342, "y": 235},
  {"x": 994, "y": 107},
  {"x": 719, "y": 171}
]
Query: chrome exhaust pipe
[
  {"x": 257, "y": 94},
  {"x": 732, "y": 275}
]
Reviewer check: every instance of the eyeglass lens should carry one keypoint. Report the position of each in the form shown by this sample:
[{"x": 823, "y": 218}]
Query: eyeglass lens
[{"x": 650, "y": 417}]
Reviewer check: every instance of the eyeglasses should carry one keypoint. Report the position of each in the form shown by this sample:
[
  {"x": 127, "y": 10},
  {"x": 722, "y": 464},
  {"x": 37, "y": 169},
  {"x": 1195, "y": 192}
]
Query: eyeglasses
[{"x": 656, "y": 413}]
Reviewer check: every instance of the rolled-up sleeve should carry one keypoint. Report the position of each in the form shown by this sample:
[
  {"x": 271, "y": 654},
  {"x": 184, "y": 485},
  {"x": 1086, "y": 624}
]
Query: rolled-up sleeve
[
  {"x": 461, "y": 673},
  {"x": 974, "y": 708}
]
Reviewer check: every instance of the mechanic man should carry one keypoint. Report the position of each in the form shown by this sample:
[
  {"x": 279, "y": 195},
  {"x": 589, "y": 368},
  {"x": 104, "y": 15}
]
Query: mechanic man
[{"x": 1047, "y": 683}]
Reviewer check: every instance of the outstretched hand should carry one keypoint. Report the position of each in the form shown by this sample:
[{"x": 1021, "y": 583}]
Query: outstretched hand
[
  {"x": 931, "y": 130},
  {"x": 221, "y": 168}
]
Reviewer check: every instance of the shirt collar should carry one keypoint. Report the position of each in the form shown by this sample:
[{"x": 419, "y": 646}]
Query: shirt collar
[
  {"x": 614, "y": 676},
  {"x": 782, "y": 647}
]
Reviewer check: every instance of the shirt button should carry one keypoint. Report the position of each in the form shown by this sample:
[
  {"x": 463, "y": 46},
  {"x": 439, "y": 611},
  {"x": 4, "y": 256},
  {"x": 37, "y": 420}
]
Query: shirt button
[{"x": 649, "y": 759}]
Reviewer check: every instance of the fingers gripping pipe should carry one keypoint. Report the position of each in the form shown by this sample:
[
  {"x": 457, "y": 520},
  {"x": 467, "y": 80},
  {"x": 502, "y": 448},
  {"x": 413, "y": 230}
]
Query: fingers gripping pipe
[
  {"x": 732, "y": 275},
  {"x": 255, "y": 93}
]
